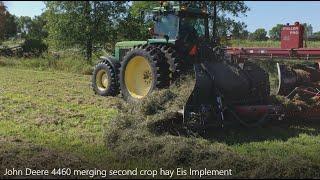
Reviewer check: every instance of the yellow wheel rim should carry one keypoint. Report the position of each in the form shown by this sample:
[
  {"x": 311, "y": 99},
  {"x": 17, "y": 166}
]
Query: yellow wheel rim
[
  {"x": 138, "y": 77},
  {"x": 102, "y": 80}
]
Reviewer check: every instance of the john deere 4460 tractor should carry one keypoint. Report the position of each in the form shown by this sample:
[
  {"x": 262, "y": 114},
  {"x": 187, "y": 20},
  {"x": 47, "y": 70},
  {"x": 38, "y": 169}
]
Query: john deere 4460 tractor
[
  {"x": 224, "y": 87},
  {"x": 138, "y": 67},
  {"x": 181, "y": 40}
]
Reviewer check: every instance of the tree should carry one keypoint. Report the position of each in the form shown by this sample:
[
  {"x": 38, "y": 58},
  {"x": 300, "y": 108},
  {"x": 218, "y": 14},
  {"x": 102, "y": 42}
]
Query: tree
[
  {"x": 308, "y": 30},
  {"x": 32, "y": 28},
  {"x": 275, "y": 32},
  {"x": 10, "y": 26},
  {"x": 315, "y": 36},
  {"x": 82, "y": 23},
  {"x": 141, "y": 6},
  {"x": 317, "y": 33},
  {"x": 3, "y": 11},
  {"x": 132, "y": 28},
  {"x": 24, "y": 23},
  {"x": 226, "y": 24},
  {"x": 259, "y": 35},
  {"x": 238, "y": 30},
  {"x": 37, "y": 28},
  {"x": 85, "y": 23}
]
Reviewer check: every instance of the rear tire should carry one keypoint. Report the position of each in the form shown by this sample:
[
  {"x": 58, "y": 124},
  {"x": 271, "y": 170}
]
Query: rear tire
[
  {"x": 104, "y": 80},
  {"x": 142, "y": 70},
  {"x": 174, "y": 61}
]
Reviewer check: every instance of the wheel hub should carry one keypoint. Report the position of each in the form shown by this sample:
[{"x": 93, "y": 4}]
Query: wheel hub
[
  {"x": 102, "y": 80},
  {"x": 147, "y": 76},
  {"x": 138, "y": 77}
]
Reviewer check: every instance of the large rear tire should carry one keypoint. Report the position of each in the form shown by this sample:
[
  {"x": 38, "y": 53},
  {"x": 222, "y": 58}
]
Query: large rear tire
[
  {"x": 174, "y": 61},
  {"x": 142, "y": 70}
]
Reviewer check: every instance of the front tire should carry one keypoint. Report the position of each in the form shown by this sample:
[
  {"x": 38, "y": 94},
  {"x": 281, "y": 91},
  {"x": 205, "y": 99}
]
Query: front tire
[{"x": 104, "y": 80}]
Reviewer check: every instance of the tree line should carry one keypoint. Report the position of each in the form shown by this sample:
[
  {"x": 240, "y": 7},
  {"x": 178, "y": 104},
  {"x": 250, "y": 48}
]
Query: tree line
[
  {"x": 89, "y": 24},
  {"x": 275, "y": 33}
]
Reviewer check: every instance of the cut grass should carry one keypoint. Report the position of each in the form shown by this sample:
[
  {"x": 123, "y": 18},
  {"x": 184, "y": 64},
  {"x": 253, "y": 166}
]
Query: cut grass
[
  {"x": 57, "y": 111},
  {"x": 148, "y": 129},
  {"x": 50, "y": 119}
]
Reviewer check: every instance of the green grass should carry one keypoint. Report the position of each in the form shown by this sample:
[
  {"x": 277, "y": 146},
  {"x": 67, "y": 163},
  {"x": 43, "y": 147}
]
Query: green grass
[
  {"x": 69, "y": 60},
  {"x": 53, "y": 109},
  {"x": 51, "y": 119},
  {"x": 73, "y": 63},
  {"x": 57, "y": 111}
]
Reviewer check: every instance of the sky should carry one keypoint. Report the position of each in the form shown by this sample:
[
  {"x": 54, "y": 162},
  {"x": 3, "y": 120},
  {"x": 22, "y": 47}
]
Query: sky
[
  {"x": 25, "y": 8},
  {"x": 266, "y": 14},
  {"x": 262, "y": 14}
]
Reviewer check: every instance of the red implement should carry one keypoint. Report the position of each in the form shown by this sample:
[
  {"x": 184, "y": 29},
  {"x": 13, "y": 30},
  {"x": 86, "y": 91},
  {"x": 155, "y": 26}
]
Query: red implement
[{"x": 291, "y": 47}]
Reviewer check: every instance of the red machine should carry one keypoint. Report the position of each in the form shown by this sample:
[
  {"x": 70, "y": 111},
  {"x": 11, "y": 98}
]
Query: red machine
[
  {"x": 291, "y": 47},
  {"x": 292, "y": 36},
  {"x": 299, "y": 80}
]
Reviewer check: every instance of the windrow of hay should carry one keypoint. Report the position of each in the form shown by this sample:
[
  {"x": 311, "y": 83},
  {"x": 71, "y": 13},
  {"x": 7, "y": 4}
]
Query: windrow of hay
[
  {"x": 299, "y": 100},
  {"x": 153, "y": 130}
]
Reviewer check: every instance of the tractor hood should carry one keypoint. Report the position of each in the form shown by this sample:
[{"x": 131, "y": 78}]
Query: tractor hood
[
  {"x": 129, "y": 44},
  {"x": 122, "y": 47}
]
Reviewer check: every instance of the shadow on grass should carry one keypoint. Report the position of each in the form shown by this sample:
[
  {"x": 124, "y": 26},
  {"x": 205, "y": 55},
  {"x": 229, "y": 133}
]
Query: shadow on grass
[
  {"x": 235, "y": 133},
  {"x": 277, "y": 130}
]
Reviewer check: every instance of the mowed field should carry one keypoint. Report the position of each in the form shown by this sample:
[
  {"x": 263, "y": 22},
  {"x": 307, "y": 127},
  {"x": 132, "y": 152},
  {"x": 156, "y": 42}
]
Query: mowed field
[
  {"x": 53, "y": 119},
  {"x": 50, "y": 119}
]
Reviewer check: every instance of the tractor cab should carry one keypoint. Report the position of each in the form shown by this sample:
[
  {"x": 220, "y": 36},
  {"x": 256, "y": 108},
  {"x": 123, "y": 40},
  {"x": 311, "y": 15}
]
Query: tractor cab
[{"x": 183, "y": 21}]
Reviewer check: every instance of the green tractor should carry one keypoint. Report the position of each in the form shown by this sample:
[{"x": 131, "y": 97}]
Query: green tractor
[
  {"x": 181, "y": 41},
  {"x": 226, "y": 90},
  {"x": 139, "y": 67}
]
